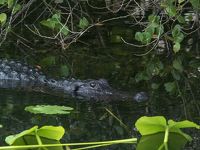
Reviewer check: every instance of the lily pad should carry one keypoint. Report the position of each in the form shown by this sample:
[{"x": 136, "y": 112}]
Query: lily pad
[{"x": 48, "y": 109}]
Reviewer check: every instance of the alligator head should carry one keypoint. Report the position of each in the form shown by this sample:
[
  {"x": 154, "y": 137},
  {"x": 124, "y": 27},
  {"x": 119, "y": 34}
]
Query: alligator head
[
  {"x": 101, "y": 90},
  {"x": 92, "y": 89}
]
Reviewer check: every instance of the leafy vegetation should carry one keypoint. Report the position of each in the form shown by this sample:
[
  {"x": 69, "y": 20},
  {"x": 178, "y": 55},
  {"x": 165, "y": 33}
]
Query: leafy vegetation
[{"x": 156, "y": 133}]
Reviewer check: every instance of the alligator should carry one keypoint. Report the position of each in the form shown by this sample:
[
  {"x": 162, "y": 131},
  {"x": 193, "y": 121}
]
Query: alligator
[{"x": 17, "y": 75}]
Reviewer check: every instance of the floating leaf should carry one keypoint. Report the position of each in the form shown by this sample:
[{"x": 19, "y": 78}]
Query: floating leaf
[
  {"x": 48, "y": 109},
  {"x": 83, "y": 23},
  {"x": 3, "y": 18}
]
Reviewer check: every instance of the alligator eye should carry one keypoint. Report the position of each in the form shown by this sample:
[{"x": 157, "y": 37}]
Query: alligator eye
[{"x": 92, "y": 84}]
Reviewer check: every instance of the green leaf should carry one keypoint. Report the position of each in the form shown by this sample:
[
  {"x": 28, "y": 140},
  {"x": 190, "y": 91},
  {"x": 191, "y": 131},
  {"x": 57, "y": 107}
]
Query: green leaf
[
  {"x": 176, "y": 47},
  {"x": 155, "y": 141},
  {"x": 83, "y": 23},
  {"x": 51, "y": 132},
  {"x": 1, "y": 126},
  {"x": 2, "y": 2},
  {"x": 139, "y": 36},
  {"x": 3, "y": 18},
  {"x": 48, "y": 23},
  {"x": 48, "y": 109},
  {"x": 177, "y": 64},
  {"x": 180, "y": 1},
  {"x": 181, "y": 19},
  {"x": 195, "y": 4},
  {"x": 65, "y": 30},
  {"x": 171, "y": 10},
  {"x": 48, "y": 61},
  {"x": 147, "y": 37},
  {"x": 10, "y": 3},
  {"x": 10, "y": 140},
  {"x": 17, "y": 8},
  {"x": 151, "y": 125},
  {"x": 56, "y": 17},
  {"x": 170, "y": 86},
  {"x": 64, "y": 70}
]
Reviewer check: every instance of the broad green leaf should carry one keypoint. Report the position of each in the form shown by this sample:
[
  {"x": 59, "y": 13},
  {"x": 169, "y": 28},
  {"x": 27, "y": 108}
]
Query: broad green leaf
[
  {"x": 64, "y": 70},
  {"x": 3, "y": 18},
  {"x": 171, "y": 10},
  {"x": 48, "y": 61},
  {"x": 154, "y": 142},
  {"x": 139, "y": 36},
  {"x": 150, "y": 125},
  {"x": 51, "y": 132},
  {"x": 48, "y": 23},
  {"x": 17, "y": 8},
  {"x": 176, "y": 47},
  {"x": 48, "y": 109},
  {"x": 176, "y": 30},
  {"x": 141, "y": 76},
  {"x": 2, "y": 2},
  {"x": 170, "y": 86},
  {"x": 13, "y": 138},
  {"x": 147, "y": 37},
  {"x": 177, "y": 64},
  {"x": 181, "y": 19},
  {"x": 83, "y": 23},
  {"x": 183, "y": 124},
  {"x": 1, "y": 126},
  {"x": 10, "y": 3}
]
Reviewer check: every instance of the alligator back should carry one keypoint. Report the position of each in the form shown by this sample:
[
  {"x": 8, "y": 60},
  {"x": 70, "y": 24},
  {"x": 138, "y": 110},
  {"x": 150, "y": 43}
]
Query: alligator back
[{"x": 14, "y": 74}]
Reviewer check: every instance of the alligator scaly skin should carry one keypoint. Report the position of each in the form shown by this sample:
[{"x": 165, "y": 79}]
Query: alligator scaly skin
[{"x": 16, "y": 75}]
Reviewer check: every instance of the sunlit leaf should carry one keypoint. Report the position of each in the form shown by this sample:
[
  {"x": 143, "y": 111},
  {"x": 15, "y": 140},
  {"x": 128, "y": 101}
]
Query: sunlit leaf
[
  {"x": 150, "y": 125},
  {"x": 57, "y": 17},
  {"x": 48, "y": 109},
  {"x": 83, "y": 23},
  {"x": 48, "y": 23},
  {"x": 176, "y": 47},
  {"x": 3, "y": 18},
  {"x": 65, "y": 30},
  {"x": 1, "y": 126},
  {"x": 51, "y": 132},
  {"x": 13, "y": 138}
]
